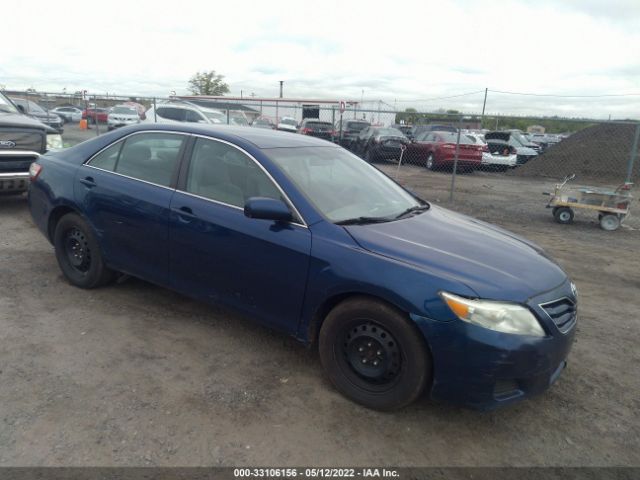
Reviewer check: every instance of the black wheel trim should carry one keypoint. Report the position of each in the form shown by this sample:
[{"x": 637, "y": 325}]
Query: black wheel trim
[
  {"x": 77, "y": 251},
  {"x": 378, "y": 345}
]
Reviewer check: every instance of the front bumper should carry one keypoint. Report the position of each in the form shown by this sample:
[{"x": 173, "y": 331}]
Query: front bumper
[
  {"x": 485, "y": 369},
  {"x": 14, "y": 182}
]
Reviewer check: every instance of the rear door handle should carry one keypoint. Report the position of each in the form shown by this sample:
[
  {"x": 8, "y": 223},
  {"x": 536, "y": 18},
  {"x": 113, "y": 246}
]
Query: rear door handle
[
  {"x": 185, "y": 214},
  {"x": 88, "y": 182}
]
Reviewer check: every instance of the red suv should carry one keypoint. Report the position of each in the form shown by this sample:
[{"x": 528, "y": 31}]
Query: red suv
[
  {"x": 93, "y": 114},
  {"x": 438, "y": 151}
]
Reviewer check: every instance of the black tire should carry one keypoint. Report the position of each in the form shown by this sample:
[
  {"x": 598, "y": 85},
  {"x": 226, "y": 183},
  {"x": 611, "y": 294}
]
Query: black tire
[
  {"x": 78, "y": 253},
  {"x": 563, "y": 215},
  {"x": 609, "y": 222},
  {"x": 430, "y": 162},
  {"x": 368, "y": 156},
  {"x": 373, "y": 354}
]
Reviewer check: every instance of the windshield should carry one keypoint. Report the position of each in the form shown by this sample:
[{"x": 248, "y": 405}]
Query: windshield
[
  {"x": 520, "y": 138},
  {"x": 340, "y": 185},
  {"x": 124, "y": 110},
  {"x": 238, "y": 120},
  {"x": 217, "y": 117},
  {"x": 6, "y": 106}
]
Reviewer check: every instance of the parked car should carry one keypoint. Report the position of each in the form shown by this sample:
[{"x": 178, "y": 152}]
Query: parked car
[
  {"x": 500, "y": 159},
  {"x": 287, "y": 124},
  {"x": 380, "y": 143},
  {"x": 438, "y": 151},
  {"x": 32, "y": 109},
  {"x": 174, "y": 111},
  {"x": 22, "y": 140},
  {"x": 419, "y": 129},
  {"x": 68, "y": 113},
  {"x": 121, "y": 116},
  {"x": 497, "y": 140},
  {"x": 347, "y": 131},
  {"x": 524, "y": 141},
  {"x": 316, "y": 128},
  {"x": 400, "y": 295},
  {"x": 93, "y": 115},
  {"x": 264, "y": 122}
]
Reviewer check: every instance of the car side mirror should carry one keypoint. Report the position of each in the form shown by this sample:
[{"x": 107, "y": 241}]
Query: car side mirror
[
  {"x": 21, "y": 108},
  {"x": 267, "y": 209}
]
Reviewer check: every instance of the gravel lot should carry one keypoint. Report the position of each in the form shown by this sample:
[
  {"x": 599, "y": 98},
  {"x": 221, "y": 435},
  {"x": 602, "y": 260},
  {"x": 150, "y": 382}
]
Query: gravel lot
[{"x": 133, "y": 374}]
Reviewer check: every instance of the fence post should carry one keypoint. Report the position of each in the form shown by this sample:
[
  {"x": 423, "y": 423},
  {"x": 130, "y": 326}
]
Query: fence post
[
  {"x": 634, "y": 153},
  {"x": 155, "y": 111},
  {"x": 455, "y": 161},
  {"x": 95, "y": 111}
]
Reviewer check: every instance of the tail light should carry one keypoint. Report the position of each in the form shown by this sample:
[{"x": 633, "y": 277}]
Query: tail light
[
  {"x": 334, "y": 133},
  {"x": 449, "y": 145},
  {"x": 485, "y": 148},
  {"x": 306, "y": 131},
  {"x": 376, "y": 139},
  {"x": 34, "y": 171}
]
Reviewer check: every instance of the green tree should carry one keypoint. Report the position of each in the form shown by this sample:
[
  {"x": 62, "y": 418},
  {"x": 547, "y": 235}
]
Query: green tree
[{"x": 208, "y": 83}]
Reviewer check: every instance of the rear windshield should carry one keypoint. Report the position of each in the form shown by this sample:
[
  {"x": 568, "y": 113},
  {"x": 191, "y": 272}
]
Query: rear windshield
[
  {"x": 356, "y": 126},
  {"x": 449, "y": 137},
  {"x": 390, "y": 131},
  {"x": 318, "y": 125}
]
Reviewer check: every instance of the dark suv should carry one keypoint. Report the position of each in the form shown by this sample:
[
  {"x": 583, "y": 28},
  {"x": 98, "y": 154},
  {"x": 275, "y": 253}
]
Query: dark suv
[
  {"x": 316, "y": 128},
  {"x": 22, "y": 140},
  {"x": 347, "y": 133}
]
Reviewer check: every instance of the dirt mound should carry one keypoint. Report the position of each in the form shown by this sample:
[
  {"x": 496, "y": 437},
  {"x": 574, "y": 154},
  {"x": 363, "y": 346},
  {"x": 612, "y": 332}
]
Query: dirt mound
[{"x": 597, "y": 153}]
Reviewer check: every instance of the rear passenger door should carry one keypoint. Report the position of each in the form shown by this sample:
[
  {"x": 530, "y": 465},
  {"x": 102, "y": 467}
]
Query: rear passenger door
[{"x": 125, "y": 191}]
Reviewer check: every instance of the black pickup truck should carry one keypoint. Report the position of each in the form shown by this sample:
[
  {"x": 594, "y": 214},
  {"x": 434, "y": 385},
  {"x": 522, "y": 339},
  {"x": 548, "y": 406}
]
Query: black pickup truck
[{"x": 22, "y": 141}]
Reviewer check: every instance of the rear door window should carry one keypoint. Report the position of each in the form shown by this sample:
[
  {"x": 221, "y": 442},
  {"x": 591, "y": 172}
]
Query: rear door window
[
  {"x": 106, "y": 160},
  {"x": 151, "y": 157}
]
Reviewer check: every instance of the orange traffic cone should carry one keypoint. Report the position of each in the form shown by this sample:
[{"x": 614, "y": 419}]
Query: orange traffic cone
[{"x": 83, "y": 124}]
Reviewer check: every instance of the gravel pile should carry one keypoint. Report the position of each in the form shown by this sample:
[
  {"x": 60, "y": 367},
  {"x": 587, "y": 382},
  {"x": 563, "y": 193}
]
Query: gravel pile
[{"x": 597, "y": 153}]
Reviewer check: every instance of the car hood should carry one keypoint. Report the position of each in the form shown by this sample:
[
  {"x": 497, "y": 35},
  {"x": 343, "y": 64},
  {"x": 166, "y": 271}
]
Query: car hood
[
  {"x": 493, "y": 262},
  {"x": 22, "y": 121}
]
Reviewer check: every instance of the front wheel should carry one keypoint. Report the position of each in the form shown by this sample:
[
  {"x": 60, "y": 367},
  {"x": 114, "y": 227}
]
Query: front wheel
[
  {"x": 78, "y": 253},
  {"x": 373, "y": 354},
  {"x": 563, "y": 215}
]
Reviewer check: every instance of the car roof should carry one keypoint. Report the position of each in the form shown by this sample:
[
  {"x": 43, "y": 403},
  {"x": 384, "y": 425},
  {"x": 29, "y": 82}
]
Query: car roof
[{"x": 260, "y": 138}]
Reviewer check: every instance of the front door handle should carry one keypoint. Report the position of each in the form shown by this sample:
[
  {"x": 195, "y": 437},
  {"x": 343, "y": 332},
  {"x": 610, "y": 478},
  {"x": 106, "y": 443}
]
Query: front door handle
[{"x": 88, "y": 182}]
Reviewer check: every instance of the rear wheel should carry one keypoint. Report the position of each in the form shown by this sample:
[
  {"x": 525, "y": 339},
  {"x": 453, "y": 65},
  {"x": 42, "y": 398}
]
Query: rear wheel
[
  {"x": 609, "y": 222},
  {"x": 430, "y": 163},
  {"x": 78, "y": 253},
  {"x": 563, "y": 215},
  {"x": 373, "y": 355}
]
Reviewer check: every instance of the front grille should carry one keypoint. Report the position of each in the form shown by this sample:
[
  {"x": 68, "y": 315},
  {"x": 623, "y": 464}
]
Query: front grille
[
  {"x": 563, "y": 313},
  {"x": 33, "y": 140}
]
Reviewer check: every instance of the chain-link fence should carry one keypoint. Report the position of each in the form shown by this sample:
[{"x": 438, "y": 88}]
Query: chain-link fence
[{"x": 443, "y": 143}]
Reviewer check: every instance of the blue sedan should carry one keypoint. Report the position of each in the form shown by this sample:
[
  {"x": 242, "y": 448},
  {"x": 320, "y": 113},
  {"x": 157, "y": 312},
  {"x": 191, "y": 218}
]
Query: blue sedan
[{"x": 400, "y": 296}]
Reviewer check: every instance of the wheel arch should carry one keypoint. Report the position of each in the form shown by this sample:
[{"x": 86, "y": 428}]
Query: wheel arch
[
  {"x": 54, "y": 217},
  {"x": 321, "y": 312}
]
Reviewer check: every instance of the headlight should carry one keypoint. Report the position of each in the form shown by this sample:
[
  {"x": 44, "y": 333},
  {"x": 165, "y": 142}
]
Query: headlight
[
  {"x": 498, "y": 316},
  {"x": 54, "y": 140}
]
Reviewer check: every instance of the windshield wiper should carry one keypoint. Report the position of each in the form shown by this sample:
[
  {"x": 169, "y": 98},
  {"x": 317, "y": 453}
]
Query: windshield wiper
[
  {"x": 363, "y": 220},
  {"x": 410, "y": 210}
]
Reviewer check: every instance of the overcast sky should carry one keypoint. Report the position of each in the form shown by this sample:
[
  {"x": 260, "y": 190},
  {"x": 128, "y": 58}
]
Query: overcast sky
[{"x": 404, "y": 53}]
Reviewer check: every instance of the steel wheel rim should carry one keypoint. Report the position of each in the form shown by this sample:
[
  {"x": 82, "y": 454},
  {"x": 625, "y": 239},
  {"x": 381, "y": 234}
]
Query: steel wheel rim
[
  {"x": 564, "y": 216},
  {"x": 76, "y": 248},
  {"x": 372, "y": 353},
  {"x": 609, "y": 222},
  {"x": 430, "y": 162}
]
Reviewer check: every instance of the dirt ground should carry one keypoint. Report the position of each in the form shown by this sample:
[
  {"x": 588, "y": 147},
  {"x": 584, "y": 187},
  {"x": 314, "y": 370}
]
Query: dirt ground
[{"x": 133, "y": 374}]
